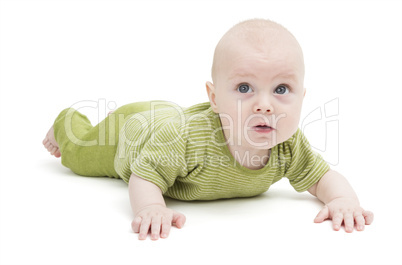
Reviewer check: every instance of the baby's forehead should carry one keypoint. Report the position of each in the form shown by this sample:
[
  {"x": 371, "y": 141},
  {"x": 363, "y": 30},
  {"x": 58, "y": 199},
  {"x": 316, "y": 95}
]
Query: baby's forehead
[
  {"x": 262, "y": 37},
  {"x": 257, "y": 48},
  {"x": 266, "y": 38}
]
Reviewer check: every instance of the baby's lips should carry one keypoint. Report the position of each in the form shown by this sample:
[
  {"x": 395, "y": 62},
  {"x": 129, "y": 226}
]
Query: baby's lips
[
  {"x": 263, "y": 125},
  {"x": 258, "y": 127}
]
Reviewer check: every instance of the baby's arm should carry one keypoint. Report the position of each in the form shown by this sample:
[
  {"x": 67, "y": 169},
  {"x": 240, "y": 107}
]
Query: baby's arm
[
  {"x": 341, "y": 203},
  {"x": 150, "y": 210}
]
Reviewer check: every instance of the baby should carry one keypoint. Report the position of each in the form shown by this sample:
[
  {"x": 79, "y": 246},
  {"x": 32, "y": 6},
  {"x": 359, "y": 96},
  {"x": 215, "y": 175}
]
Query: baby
[{"x": 236, "y": 145}]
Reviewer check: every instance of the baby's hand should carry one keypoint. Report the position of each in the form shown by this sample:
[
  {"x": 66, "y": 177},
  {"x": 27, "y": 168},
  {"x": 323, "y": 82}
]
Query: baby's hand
[
  {"x": 347, "y": 210},
  {"x": 159, "y": 219}
]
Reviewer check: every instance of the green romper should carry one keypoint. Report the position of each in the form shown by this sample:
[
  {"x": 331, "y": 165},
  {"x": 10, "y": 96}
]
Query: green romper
[{"x": 182, "y": 151}]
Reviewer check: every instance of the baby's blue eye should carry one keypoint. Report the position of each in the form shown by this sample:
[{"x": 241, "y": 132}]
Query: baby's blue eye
[
  {"x": 281, "y": 90},
  {"x": 244, "y": 89}
]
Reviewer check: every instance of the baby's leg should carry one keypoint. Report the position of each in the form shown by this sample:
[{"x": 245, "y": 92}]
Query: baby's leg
[{"x": 85, "y": 149}]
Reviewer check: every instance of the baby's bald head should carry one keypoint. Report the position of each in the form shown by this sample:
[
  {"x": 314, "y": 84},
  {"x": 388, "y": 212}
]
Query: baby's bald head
[{"x": 262, "y": 35}]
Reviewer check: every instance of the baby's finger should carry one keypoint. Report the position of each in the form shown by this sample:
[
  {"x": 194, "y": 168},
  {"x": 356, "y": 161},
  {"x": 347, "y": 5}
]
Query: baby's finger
[
  {"x": 166, "y": 226},
  {"x": 369, "y": 216},
  {"x": 349, "y": 222},
  {"x": 178, "y": 219},
  {"x": 322, "y": 215},
  {"x": 337, "y": 221},
  {"x": 135, "y": 224},
  {"x": 359, "y": 219},
  {"x": 146, "y": 222},
  {"x": 155, "y": 227}
]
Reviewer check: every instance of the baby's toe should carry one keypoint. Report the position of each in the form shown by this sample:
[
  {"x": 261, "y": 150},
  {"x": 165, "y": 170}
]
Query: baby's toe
[
  {"x": 48, "y": 146},
  {"x": 53, "y": 150}
]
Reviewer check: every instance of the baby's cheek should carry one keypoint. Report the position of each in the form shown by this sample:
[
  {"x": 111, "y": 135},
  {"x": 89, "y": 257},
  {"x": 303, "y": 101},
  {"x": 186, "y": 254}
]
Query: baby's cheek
[{"x": 286, "y": 126}]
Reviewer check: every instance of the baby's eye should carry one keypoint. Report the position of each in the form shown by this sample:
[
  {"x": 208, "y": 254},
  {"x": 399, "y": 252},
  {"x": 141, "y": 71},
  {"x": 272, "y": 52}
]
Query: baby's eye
[
  {"x": 281, "y": 90},
  {"x": 244, "y": 89}
]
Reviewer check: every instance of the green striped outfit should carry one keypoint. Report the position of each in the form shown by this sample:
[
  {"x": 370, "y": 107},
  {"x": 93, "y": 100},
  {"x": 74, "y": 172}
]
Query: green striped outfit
[{"x": 182, "y": 151}]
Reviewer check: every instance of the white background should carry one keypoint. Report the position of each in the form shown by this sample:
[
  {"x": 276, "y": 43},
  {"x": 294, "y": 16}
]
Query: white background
[{"x": 55, "y": 54}]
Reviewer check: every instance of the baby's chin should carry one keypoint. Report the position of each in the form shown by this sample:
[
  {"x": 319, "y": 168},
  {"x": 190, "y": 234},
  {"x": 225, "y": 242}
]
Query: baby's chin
[
  {"x": 265, "y": 141},
  {"x": 263, "y": 145}
]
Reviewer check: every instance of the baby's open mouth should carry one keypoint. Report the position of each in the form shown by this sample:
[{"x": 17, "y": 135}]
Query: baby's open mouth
[
  {"x": 263, "y": 125},
  {"x": 262, "y": 128}
]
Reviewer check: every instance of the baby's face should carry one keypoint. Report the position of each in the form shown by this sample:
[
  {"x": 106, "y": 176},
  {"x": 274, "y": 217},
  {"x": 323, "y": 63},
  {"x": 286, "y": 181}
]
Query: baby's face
[{"x": 258, "y": 92}]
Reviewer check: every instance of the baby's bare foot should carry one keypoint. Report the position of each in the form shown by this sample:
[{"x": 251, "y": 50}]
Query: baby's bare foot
[{"x": 50, "y": 143}]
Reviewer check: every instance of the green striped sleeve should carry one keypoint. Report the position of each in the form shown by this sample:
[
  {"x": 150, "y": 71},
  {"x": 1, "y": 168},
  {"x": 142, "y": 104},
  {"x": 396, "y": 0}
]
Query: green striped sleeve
[
  {"x": 306, "y": 167},
  {"x": 162, "y": 158}
]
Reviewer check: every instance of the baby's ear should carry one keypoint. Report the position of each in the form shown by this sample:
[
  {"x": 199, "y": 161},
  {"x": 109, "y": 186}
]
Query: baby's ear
[
  {"x": 304, "y": 94},
  {"x": 211, "y": 95}
]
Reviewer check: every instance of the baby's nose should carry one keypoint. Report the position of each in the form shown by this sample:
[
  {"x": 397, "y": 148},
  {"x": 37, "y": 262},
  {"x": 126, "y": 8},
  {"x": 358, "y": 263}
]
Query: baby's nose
[{"x": 263, "y": 108}]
